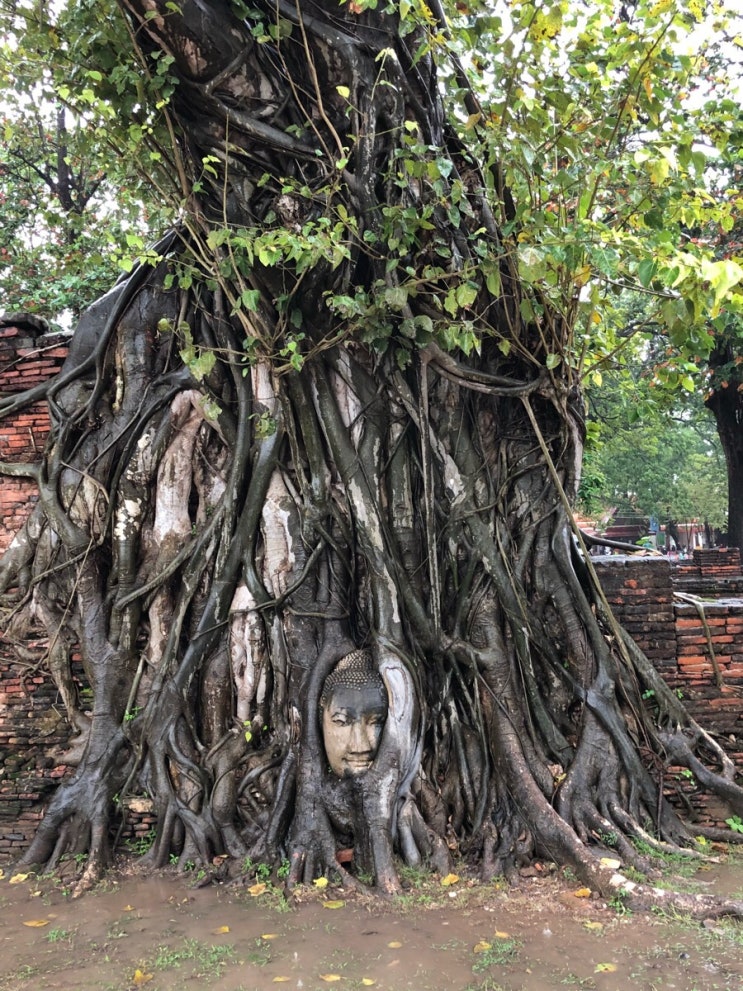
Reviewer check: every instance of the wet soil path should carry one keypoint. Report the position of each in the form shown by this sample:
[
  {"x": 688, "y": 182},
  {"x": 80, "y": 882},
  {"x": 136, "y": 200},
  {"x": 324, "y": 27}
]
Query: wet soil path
[{"x": 160, "y": 934}]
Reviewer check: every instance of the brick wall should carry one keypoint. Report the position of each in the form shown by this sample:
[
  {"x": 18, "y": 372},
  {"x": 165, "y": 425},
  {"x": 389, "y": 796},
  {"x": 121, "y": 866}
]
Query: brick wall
[
  {"x": 711, "y": 573},
  {"x": 674, "y": 636},
  {"x": 640, "y": 590},
  {"x": 34, "y": 732},
  {"x": 33, "y": 735},
  {"x": 29, "y": 355},
  {"x": 34, "y": 739},
  {"x": 33, "y": 729}
]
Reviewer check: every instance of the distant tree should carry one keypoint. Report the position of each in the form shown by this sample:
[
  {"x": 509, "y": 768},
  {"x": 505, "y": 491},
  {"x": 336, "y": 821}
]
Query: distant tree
[
  {"x": 652, "y": 451},
  {"x": 724, "y": 365},
  {"x": 71, "y": 210}
]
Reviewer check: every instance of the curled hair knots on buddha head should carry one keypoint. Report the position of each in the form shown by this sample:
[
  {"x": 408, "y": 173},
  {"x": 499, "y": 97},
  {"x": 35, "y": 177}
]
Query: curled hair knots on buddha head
[{"x": 355, "y": 670}]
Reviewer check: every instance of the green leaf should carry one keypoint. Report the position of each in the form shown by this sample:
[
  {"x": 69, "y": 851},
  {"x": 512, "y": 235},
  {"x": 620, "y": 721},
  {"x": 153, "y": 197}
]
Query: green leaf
[
  {"x": 646, "y": 270},
  {"x": 466, "y": 294},
  {"x": 250, "y": 299},
  {"x": 396, "y": 297}
]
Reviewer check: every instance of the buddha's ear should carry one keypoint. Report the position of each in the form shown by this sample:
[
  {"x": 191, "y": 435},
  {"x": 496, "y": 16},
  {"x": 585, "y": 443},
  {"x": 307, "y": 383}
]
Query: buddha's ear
[{"x": 402, "y": 728}]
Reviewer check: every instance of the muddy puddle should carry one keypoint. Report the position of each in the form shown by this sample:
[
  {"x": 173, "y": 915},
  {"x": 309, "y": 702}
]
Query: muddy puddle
[{"x": 158, "y": 934}]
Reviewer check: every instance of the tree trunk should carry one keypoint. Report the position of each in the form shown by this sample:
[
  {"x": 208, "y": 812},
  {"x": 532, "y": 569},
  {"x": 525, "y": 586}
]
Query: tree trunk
[
  {"x": 306, "y": 508},
  {"x": 727, "y": 406}
]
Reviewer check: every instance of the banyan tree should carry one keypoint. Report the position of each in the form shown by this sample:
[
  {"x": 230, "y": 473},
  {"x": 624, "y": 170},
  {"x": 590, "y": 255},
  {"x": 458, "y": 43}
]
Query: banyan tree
[{"x": 305, "y": 511}]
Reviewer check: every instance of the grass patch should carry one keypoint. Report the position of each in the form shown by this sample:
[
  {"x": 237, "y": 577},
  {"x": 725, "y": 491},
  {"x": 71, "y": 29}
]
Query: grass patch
[
  {"x": 260, "y": 955},
  {"x": 488, "y": 984},
  {"x": 501, "y": 952},
  {"x": 209, "y": 961}
]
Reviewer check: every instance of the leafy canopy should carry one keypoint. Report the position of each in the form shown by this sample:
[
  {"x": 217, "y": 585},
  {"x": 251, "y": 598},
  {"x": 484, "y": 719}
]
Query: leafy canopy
[
  {"x": 604, "y": 118},
  {"x": 74, "y": 198}
]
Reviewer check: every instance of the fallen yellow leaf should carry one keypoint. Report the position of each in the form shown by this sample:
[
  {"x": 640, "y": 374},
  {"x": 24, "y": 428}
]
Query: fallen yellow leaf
[
  {"x": 333, "y": 904},
  {"x": 18, "y": 879},
  {"x": 269, "y": 936},
  {"x": 482, "y": 946},
  {"x": 320, "y": 882},
  {"x": 330, "y": 977},
  {"x": 140, "y": 978},
  {"x": 368, "y": 982},
  {"x": 257, "y": 889},
  {"x": 220, "y": 931},
  {"x": 128, "y": 908},
  {"x": 2, "y": 873},
  {"x": 502, "y": 935},
  {"x": 36, "y": 923},
  {"x": 593, "y": 926},
  {"x": 582, "y": 893},
  {"x": 449, "y": 880},
  {"x": 281, "y": 980},
  {"x": 394, "y": 945},
  {"x": 605, "y": 968},
  {"x": 611, "y": 862}
]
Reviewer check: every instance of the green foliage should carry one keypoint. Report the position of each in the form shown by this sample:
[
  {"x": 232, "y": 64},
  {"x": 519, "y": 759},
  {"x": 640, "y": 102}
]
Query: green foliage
[
  {"x": 619, "y": 902},
  {"x": 606, "y": 120},
  {"x": 210, "y": 960},
  {"x": 140, "y": 845},
  {"x": 260, "y": 871},
  {"x": 610, "y": 125},
  {"x": 663, "y": 468},
  {"x": 71, "y": 159},
  {"x": 735, "y": 823},
  {"x": 651, "y": 447},
  {"x": 502, "y": 951}
]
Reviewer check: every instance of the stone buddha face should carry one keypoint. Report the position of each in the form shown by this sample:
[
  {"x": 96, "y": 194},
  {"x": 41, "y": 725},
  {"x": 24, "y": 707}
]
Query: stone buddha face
[{"x": 353, "y": 709}]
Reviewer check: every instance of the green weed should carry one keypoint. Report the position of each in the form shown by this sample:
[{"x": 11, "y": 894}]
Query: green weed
[
  {"x": 501, "y": 952},
  {"x": 210, "y": 960},
  {"x": 488, "y": 984},
  {"x": 414, "y": 876},
  {"x": 619, "y": 903},
  {"x": 260, "y": 871},
  {"x": 261, "y": 955},
  {"x": 140, "y": 845}
]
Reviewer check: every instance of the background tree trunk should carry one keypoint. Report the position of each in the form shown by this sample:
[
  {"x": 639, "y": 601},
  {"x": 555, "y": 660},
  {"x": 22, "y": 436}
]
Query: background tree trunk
[{"x": 727, "y": 406}]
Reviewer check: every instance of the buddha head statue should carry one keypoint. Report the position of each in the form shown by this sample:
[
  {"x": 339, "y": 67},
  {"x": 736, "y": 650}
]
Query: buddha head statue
[{"x": 353, "y": 710}]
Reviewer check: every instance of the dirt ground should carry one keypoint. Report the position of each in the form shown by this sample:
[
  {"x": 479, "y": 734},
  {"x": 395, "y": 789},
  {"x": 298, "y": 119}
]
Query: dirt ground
[{"x": 162, "y": 934}]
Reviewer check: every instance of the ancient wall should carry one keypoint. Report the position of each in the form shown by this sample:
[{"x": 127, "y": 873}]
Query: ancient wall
[
  {"x": 29, "y": 355},
  {"x": 33, "y": 730},
  {"x": 640, "y": 590},
  {"x": 35, "y": 737},
  {"x": 697, "y": 646}
]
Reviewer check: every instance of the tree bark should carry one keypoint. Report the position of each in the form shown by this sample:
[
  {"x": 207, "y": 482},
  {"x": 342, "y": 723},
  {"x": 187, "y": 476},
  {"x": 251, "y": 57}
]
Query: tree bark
[{"x": 727, "y": 406}]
